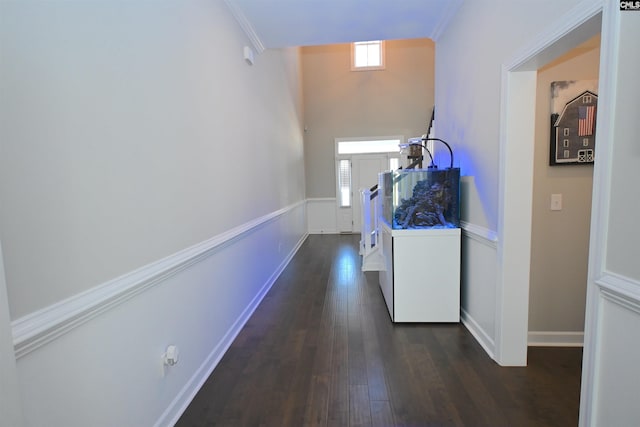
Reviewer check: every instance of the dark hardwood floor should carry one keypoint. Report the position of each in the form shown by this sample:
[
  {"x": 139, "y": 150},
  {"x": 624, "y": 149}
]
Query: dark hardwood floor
[{"x": 321, "y": 350}]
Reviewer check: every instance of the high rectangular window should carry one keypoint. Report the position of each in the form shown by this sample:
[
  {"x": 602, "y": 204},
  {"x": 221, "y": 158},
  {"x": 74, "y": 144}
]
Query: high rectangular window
[{"x": 367, "y": 55}]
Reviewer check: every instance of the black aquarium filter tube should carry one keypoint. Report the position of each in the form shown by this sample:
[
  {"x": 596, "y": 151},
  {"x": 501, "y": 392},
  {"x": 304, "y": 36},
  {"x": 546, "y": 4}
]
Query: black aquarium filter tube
[{"x": 445, "y": 143}]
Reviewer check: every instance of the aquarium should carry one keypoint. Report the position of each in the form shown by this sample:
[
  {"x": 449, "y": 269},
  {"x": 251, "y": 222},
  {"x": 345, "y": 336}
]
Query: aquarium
[{"x": 421, "y": 198}]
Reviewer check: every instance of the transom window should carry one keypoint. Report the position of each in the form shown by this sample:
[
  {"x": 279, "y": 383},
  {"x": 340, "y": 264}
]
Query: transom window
[
  {"x": 364, "y": 146},
  {"x": 367, "y": 55},
  {"x": 348, "y": 148}
]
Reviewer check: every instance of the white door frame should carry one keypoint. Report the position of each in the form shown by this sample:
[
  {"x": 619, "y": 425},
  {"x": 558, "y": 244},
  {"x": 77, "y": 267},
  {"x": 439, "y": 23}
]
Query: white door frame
[
  {"x": 517, "y": 120},
  {"x": 344, "y": 215}
]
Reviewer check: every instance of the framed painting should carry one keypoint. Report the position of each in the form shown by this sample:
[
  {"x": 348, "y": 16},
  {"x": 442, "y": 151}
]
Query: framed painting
[{"x": 574, "y": 106}]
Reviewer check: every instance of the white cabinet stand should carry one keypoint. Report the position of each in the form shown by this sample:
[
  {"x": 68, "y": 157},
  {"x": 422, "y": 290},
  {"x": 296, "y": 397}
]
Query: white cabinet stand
[{"x": 421, "y": 282}]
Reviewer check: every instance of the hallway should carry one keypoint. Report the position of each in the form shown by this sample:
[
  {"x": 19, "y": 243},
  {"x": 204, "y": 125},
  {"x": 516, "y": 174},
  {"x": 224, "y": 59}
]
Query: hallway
[{"x": 321, "y": 350}]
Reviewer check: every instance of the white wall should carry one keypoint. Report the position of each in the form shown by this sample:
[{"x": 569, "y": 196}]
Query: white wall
[
  {"x": 560, "y": 239},
  {"x": 101, "y": 364},
  {"x": 321, "y": 215},
  {"x": 611, "y": 379},
  {"x": 478, "y": 271},
  {"x": 470, "y": 55},
  {"x": 124, "y": 129},
  {"x": 152, "y": 188},
  {"x": 623, "y": 231},
  {"x": 10, "y": 404}
]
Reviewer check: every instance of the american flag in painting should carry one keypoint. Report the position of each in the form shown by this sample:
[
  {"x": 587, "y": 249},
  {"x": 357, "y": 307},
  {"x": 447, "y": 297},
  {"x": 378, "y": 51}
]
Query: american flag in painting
[{"x": 586, "y": 119}]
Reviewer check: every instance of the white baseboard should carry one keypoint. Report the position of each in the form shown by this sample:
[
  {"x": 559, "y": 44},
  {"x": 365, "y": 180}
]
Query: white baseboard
[
  {"x": 479, "y": 334},
  {"x": 175, "y": 410},
  {"x": 555, "y": 339},
  {"x": 112, "y": 337}
]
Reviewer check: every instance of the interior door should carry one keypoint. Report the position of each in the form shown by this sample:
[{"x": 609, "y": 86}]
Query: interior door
[{"x": 365, "y": 170}]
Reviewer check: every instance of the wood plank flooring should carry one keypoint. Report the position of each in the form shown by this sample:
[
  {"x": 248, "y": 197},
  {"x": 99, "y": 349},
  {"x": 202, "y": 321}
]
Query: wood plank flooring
[{"x": 321, "y": 350}]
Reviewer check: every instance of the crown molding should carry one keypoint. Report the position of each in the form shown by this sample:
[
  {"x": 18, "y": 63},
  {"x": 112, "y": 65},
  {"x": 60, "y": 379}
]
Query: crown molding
[
  {"x": 246, "y": 26},
  {"x": 452, "y": 7}
]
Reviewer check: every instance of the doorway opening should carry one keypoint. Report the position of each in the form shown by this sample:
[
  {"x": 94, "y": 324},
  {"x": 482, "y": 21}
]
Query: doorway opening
[
  {"x": 560, "y": 232},
  {"x": 518, "y": 113}
]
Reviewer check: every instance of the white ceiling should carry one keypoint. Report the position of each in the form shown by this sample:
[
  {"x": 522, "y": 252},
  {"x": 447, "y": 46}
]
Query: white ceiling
[{"x": 286, "y": 23}]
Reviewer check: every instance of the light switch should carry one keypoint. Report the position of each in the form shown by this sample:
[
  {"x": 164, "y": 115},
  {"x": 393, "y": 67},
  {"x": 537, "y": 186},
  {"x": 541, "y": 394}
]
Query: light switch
[{"x": 556, "y": 202}]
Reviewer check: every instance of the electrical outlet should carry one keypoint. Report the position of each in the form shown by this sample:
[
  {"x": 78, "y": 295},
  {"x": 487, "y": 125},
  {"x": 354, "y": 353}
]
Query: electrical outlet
[{"x": 169, "y": 359}]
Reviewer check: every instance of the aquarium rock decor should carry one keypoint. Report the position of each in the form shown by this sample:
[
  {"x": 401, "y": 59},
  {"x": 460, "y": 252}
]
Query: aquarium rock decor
[
  {"x": 421, "y": 198},
  {"x": 426, "y": 207}
]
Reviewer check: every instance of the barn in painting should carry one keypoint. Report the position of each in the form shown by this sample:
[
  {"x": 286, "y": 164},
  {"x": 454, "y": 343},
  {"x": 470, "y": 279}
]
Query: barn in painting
[{"x": 573, "y": 131}]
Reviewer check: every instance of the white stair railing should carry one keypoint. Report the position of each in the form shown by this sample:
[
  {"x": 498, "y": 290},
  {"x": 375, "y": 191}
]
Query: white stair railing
[
  {"x": 366, "y": 227},
  {"x": 370, "y": 244}
]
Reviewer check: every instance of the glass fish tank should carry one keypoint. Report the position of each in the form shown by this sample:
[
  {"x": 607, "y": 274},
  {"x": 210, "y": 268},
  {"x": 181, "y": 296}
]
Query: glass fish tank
[{"x": 421, "y": 198}]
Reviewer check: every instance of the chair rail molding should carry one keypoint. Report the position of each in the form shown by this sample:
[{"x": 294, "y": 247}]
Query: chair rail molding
[
  {"x": 480, "y": 234},
  {"x": 40, "y": 327}
]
